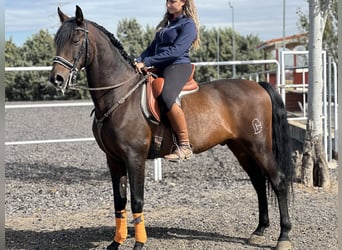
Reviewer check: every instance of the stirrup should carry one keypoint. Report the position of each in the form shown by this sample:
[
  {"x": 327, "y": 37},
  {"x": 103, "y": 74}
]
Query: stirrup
[{"x": 181, "y": 152}]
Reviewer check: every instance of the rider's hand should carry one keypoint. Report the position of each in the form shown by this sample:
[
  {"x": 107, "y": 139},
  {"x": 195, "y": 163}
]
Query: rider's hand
[{"x": 139, "y": 66}]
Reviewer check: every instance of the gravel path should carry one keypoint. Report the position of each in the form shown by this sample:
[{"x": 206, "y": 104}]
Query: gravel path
[{"x": 59, "y": 196}]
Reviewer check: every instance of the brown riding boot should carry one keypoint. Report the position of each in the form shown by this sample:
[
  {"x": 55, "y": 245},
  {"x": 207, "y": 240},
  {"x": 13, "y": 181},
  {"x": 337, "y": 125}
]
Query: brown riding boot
[{"x": 178, "y": 124}]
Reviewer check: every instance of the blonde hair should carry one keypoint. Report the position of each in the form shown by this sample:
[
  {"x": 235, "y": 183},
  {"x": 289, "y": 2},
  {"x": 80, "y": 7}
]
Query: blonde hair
[{"x": 189, "y": 10}]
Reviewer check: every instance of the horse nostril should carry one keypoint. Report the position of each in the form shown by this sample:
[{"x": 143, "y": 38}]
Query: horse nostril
[{"x": 58, "y": 80}]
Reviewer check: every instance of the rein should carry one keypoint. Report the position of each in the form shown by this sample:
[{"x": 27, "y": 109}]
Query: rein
[
  {"x": 102, "y": 88},
  {"x": 120, "y": 101}
]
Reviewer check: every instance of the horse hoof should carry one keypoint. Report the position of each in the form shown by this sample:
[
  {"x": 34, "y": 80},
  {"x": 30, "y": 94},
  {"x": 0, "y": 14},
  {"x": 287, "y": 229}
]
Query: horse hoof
[
  {"x": 284, "y": 245},
  {"x": 113, "y": 246},
  {"x": 138, "y": 246},
  {"x": 256, "y": 239}
]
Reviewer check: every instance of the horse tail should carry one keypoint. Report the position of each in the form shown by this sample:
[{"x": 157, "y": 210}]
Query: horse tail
[{"x": 280, "y": 135}]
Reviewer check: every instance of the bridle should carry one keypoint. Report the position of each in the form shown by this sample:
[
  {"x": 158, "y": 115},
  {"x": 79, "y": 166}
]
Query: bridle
[
  {"x": 73, "y": 66},
  {"x": 73, "y": 70}
]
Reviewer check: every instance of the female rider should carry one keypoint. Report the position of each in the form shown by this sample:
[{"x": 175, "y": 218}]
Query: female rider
[{"x": 177, "y": 32}]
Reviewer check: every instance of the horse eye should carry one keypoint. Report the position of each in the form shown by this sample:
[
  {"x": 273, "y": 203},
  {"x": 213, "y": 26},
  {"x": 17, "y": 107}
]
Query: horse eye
[{"x": 76, "y": 42}]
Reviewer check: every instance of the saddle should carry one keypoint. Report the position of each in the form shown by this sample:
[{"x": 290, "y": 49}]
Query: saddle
[{"x": 153, "y": 89}]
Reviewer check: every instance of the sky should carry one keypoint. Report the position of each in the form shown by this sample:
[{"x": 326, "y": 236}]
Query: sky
[{"x": 263, "y": 18}]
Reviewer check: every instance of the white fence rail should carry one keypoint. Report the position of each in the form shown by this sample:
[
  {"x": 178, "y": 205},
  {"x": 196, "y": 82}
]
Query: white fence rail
[
  {"x": 49, "y": 141},
  {"x": 38, "y": 68},
  {"x": 47, "y": 105}
]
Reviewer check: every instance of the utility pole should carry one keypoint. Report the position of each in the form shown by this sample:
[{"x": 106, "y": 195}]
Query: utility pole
[
  {"x": 233, "y": 37},
  {"x": 284, "y": 18},
  {"x": 218, "y": 52}
]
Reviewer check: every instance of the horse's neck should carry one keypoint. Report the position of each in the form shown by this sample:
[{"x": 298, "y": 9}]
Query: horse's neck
[{"x": 108, "y": 68}]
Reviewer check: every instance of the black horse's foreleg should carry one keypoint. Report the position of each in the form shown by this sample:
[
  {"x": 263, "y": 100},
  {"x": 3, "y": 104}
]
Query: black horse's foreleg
[
  {"x": 119, "y": 181},
  {"x": 136, "y": 173}
]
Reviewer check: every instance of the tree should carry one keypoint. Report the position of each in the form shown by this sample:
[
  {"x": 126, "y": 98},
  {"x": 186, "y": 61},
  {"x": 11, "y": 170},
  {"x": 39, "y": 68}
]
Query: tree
[
  {"x": 314, "y": 165},
  {"x": 38, "y": 51},
  {"x": 330, "y": 35},
  {"x": 15, "y": 83},
  {"x": 206, "y": 53},
  {"x": 132, "y": 37},
  {"x": 34, "y": 85},
  {"x": 12, "y": 55}
]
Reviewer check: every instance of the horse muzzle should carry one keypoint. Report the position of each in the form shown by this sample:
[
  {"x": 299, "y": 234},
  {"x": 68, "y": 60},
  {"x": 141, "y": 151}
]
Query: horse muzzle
[
  {"x": 57, "y": 80},
  {"x": 63, "y": 73},
  {"x": 61, "y": 80}
]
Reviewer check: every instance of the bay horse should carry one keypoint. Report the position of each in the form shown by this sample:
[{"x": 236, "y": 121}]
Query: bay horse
[{"x": 247, "y": 116}]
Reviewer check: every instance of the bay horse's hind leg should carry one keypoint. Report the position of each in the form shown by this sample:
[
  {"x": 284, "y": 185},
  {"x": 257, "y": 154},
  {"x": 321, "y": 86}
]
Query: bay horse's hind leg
[
  {"x": 258, "y": 180},
  {"x": 259, "y": 163},
  {"x": 259, "y": 183},
  {"x": 279, "y": 167},
  {"x": 280, "y": 187},
  {"x": 119, "y": 181}
]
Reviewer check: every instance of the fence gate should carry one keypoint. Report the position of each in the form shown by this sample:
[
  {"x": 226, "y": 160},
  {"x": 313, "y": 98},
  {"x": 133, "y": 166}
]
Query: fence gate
[{"x": 294, "y": 91}]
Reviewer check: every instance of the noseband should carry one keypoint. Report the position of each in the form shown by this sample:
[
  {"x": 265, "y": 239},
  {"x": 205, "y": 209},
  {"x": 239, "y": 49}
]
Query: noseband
[{"x": 73, "y": 66}]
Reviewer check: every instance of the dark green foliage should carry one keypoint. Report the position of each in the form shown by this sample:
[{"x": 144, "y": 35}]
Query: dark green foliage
[{"x": 34, "y": 85}]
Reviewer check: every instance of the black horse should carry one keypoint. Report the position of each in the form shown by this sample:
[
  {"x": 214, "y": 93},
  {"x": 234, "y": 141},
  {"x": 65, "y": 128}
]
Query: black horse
[{"x": 248, "y": 117}]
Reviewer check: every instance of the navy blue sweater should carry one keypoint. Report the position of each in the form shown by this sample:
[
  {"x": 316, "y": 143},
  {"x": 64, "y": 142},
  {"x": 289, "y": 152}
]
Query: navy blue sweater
[{"x": 171, "y": 44}]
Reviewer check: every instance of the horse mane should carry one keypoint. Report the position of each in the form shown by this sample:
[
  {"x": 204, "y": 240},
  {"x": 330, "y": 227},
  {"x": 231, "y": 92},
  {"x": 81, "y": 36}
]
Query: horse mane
[
  {"x": 65, "y": 32},
  {"x": 117, "y": 44}
]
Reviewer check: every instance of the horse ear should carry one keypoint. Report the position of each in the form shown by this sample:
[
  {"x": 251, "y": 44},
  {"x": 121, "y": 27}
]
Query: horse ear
[
  {"x": 79, "y": 15},
  {"x": 62, "y": 16}
]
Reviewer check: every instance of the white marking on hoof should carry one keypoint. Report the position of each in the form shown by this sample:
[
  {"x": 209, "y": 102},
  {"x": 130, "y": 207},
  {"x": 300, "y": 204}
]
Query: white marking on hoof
[
  {"x": 256, "y": 239},
  {"x": 284, "y": 245}
]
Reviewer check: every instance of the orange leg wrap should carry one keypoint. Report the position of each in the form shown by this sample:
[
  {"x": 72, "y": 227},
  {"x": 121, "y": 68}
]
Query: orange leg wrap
[
  {"x": 121, "y": 226},
  {"x": 139, "y": 226}
]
